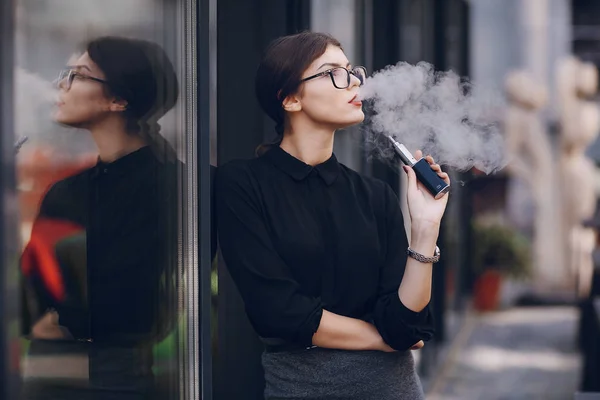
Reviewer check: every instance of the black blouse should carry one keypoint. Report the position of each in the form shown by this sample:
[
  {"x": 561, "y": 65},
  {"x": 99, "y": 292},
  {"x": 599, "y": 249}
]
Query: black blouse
[
  {"x": 299, "y": 239},
  {"x": 127, "y": 210}
]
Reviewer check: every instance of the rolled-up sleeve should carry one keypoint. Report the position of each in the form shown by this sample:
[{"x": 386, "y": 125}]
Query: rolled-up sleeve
[
  {"x": 275, "y": 306},
  {"x": 399, "y": 326}
]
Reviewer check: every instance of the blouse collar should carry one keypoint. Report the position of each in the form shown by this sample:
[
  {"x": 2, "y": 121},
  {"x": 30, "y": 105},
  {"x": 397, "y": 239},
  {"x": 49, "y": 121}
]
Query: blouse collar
[{"x": 299, "y": 170}]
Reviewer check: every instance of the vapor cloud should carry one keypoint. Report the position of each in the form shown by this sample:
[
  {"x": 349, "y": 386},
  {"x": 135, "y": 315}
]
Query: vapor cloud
[{"x": 437, "y": 112}]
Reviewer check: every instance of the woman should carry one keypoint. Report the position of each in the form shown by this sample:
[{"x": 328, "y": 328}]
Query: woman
[
  {"x": 318, "y": 251},
  {"x": 110, "y": 293}
]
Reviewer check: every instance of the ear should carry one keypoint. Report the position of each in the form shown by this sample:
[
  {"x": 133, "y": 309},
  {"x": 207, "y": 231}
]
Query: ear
[
  {"x": 292, "y": 104},
  {"x": 118, "y": 105}
]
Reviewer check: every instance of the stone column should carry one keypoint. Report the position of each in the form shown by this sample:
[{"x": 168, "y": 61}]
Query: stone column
[
  {"x": 531, "y": 161},
  {"x": 579, "y": 124}
]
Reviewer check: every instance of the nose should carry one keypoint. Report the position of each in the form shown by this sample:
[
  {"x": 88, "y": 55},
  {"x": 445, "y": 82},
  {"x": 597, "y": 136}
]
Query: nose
[
  {"x": 354, "y": 81},
  {"x": 61, "y": 83}
]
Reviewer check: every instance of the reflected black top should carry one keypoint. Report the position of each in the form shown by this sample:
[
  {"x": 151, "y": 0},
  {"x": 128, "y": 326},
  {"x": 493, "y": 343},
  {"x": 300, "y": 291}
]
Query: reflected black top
[
  {"x": 299, "y": 239},
  {"x": 127, "y": 292}
]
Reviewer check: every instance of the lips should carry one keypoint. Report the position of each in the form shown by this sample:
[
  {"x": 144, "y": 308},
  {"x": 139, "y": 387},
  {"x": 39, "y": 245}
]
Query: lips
[{"x": 355, "y": 101}]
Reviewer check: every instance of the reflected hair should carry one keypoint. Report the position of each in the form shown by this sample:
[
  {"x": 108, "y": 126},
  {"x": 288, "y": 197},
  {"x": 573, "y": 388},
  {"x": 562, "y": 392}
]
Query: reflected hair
[
  {"x": 280, "y": 71},
  {"x": 139, "y": 72}
]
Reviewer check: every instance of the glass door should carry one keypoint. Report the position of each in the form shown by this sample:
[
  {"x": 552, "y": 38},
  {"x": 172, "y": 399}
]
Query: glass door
[{"x": 111, "y": 193}]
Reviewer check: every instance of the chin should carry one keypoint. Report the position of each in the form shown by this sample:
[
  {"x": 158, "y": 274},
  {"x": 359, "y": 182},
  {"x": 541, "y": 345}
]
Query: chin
[
  {"x": 355, "y": 119},
  {"x": 61, "y": 120},
  {"x": 67, "y": 122},
  {"x": 59, "y": 117}
]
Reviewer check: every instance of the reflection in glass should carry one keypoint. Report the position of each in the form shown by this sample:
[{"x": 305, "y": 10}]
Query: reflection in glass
[{"x": 100, "y": 197}]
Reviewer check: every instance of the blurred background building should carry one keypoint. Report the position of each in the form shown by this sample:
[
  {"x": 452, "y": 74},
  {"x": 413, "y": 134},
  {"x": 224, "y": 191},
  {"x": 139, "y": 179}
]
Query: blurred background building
[{"x": 514, "y": 320}]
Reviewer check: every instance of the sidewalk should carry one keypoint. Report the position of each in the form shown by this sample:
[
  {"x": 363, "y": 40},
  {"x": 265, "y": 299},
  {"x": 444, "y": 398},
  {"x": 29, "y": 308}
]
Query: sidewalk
[{"x": 521, "y": 353}]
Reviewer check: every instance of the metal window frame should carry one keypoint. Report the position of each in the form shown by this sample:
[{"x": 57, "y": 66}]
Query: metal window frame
[
  {"x": 9, "y": 277},
  {"x": 199, "y": 36},
  {"x": 206, "y": 31}
]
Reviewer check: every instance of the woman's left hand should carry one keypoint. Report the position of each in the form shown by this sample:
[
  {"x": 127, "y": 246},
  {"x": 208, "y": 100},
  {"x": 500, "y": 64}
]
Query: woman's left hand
[{"x": 423, "y": 207}]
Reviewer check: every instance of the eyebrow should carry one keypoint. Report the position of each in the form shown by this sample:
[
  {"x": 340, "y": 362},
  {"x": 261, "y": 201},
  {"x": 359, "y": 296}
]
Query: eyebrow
[
  {"x": 79, "y": 67},
  {"x": 333, "y": 65}
]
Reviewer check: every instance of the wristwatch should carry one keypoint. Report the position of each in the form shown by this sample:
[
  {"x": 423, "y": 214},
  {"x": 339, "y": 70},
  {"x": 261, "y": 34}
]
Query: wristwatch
[{"x": 420, "y": 257}]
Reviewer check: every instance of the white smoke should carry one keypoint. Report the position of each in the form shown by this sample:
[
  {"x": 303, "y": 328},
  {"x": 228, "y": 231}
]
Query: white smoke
[
  {"x": 33, "y": 98},
  {"x": 437, "y": 112},
  {"x": 34, "y": 106}
]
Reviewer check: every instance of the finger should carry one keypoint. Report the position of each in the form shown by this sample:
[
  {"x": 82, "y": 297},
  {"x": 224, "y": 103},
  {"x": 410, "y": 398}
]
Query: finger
[
  {"x": 418, "y": 154},
  {"x": 412, "y": 178},
  {"x": 430, "y": 159},
  {"x": 436, "y": 167},
  {"x": 445, "y": 177},
  {"x": 418, "y": 345}
]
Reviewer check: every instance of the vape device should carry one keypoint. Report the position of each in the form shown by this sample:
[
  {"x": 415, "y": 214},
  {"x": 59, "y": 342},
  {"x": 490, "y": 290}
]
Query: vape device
[
  {"x": 20, "y": 143},
  {"x": 428, "y": 177}
]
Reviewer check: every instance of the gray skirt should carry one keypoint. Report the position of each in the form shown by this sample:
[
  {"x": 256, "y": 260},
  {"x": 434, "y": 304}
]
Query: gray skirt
[{"x": 323, "y": 374}]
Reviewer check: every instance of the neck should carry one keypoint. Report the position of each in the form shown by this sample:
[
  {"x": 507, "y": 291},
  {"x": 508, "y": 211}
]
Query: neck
[
  {"x": 113, "y": 141},
  {"x": 312, "y": 145}
]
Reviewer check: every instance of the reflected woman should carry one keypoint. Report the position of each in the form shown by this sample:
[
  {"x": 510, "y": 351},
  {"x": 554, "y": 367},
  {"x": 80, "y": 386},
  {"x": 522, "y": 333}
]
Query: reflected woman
[
  {"x": 318, "y": 251},
  {"x": 101, "y": 281}
]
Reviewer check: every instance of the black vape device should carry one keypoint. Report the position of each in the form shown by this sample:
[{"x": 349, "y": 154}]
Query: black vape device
[{"x": 428, "y": 177}]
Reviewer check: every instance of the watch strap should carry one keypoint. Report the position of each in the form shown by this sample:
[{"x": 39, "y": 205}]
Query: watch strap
[{"x": 422, "y": 258}]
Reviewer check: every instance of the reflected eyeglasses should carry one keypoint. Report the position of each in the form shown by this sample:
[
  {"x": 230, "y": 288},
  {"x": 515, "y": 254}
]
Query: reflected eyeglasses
[
  {"x": 340, "y": 76},
  {"x": 69, "y": 75}
]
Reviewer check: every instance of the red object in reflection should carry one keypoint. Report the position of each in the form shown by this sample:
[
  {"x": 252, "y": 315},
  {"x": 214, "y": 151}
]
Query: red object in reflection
[
  {"x": 40, "y": 168},
  {"x": 39, "y": 256}
]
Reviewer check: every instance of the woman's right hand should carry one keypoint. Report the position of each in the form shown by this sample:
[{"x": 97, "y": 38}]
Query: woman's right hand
[
  {"x": 419, "y": 345},
  {"x": 387, "y": 349}
]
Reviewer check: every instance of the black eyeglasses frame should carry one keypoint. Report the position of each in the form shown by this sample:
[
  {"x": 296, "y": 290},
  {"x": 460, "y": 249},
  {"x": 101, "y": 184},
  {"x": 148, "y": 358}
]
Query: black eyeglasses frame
[{"x": 330, "y": 73}]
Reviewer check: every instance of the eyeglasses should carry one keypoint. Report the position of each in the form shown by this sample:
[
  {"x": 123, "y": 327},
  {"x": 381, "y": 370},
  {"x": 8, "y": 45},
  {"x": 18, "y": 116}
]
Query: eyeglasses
[
  {"x": 69, "y": 76},
  {"x": 340, "y": 76}
]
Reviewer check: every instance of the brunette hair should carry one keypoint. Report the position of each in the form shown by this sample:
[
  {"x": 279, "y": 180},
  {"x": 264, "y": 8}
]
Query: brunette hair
[
  {"x": 139, "y": 72},
  {"x": 280, "y": 71}
]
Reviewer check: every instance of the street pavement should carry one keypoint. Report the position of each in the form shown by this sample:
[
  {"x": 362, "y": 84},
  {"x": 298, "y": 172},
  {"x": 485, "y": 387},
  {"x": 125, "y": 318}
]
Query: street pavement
[{"x": 516, "y": 354}]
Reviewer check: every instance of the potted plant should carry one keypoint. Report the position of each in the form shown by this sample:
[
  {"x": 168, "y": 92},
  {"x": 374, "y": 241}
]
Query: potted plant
[{"x": 499, "y": 251}]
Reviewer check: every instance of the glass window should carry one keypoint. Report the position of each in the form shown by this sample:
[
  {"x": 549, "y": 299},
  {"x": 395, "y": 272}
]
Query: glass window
[
  {"x": 107, "y": 196},
  {"x": 416, "y": 36}
]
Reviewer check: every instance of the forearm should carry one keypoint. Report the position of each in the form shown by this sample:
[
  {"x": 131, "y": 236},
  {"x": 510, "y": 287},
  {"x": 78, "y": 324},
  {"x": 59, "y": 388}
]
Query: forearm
[
  {"x": 345, "y": 333},
  {"x": 415, "y": 289}
]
